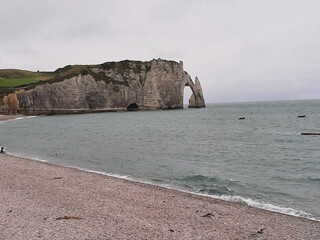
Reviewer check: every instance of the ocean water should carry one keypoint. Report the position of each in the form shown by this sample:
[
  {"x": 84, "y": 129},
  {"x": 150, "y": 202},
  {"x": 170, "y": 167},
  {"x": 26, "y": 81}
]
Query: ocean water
[{"x": 261, "y": 161}]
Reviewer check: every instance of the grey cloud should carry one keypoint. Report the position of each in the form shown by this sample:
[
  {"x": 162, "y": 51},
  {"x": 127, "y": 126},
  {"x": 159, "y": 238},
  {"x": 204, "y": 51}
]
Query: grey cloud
[{"x": 241, "y": 50}]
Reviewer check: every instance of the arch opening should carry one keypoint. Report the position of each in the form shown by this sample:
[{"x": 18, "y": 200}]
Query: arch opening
[
  {"x": 187, "y": 92},
  {"x": 133, "y": 107}
]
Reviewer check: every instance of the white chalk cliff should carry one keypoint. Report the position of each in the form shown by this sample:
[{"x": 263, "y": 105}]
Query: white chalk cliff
[{"x": 113, "y": 86}]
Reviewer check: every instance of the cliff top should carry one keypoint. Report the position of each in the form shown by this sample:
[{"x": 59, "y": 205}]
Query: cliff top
[{"x": 16, "y": 78}]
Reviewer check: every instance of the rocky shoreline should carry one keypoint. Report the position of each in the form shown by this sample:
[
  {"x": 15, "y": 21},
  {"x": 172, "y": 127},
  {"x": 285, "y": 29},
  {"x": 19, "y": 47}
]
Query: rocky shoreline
[{"x": 45, "y": 201}]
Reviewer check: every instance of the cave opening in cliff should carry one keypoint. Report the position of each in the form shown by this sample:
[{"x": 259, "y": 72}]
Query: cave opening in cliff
[
  {"x": 133, "y": 107},
  {"x": 186, "y": 96}
]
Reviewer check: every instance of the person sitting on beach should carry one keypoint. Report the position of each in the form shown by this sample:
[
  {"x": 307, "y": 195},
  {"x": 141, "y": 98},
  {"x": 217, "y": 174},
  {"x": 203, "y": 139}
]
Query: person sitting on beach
[{"x": 2, "y": 150}]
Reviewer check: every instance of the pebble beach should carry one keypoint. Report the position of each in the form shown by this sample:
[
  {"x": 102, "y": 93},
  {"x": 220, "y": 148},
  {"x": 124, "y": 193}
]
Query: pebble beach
[{"x": 40, "y": 200}]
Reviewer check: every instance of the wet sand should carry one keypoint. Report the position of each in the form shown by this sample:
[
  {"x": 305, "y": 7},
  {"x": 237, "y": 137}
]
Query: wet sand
[{"x": 45, "y": 201}]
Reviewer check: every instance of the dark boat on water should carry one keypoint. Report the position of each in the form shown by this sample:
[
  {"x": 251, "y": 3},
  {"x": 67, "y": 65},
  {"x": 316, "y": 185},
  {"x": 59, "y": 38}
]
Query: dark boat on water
[{"x": 310, "y": 133}]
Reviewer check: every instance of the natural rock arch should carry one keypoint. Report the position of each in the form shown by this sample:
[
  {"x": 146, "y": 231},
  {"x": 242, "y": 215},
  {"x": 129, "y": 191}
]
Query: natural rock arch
[{"x": 196, "y": 100}]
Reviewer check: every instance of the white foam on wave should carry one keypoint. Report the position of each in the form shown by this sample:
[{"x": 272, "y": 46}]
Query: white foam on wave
[
  {"x": 70, "y": 166},
  {"x": 27, "y": 157},
  {"x": 267, "y": 206},
  {"x": 18, "y": 118},
  {"x": 239, "y": 199},
  {"x": 25, "y": 117},
  {"x": 235, "y": 199},
  {"x": 126, "y": 177}
]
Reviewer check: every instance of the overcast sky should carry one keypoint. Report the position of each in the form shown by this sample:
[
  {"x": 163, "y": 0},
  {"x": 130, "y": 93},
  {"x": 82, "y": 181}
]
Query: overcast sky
[{"x": 241, "y": 50}]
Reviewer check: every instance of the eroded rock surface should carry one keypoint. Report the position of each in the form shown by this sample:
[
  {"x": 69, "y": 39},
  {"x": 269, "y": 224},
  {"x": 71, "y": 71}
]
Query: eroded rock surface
[{"x": 113, "y": 86}]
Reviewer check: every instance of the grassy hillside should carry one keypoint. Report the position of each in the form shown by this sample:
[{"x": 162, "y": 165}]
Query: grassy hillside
[
  {"x": 11, "y": 79},
  {"x": 14, "y": 77},
  {"x": 15, "y": 73}
]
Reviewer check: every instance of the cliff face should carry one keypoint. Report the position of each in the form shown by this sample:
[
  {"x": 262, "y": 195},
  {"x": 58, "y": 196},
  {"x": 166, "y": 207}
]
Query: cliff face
[{"x": 126, "y": 85}]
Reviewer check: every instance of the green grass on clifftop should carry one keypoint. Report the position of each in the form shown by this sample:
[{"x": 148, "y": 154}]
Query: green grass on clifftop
[{"x": 15, "y": 78}]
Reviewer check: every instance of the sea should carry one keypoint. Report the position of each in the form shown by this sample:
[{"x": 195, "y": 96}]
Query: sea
[{"x": 262, "y": 160}]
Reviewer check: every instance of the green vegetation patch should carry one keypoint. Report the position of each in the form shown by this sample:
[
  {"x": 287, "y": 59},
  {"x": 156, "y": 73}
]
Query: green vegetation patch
[
  {"x": 15, "y": 78},
  {"x": 68, "y": 72},
  {"x": 15, "y": 82},
  {"x": 123, "y": 66},
  {"x": 15, "y": 73}
]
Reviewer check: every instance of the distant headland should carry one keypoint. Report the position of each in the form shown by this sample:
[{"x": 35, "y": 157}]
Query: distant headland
[{"x": 111, "y": 86}]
